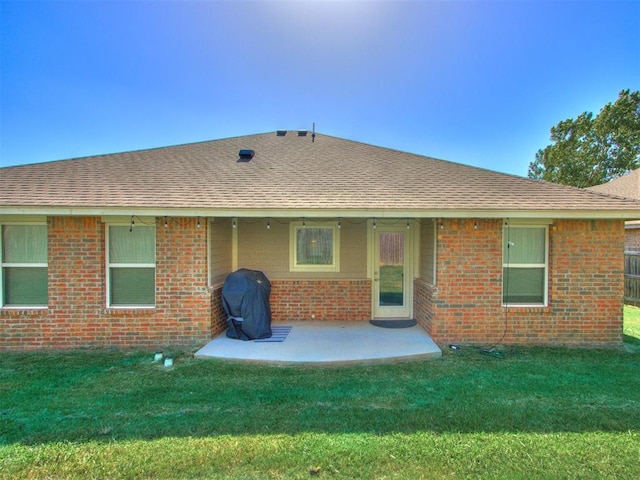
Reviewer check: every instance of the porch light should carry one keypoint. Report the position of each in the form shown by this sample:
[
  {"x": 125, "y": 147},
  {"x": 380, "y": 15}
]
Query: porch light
[
  {"x": 339, "y": 223},
  {"x": 408, "y": 225},
  {"x": 198, "y": 224},
  {"x": 234, "y": 224},
  {"x": 441, "y": 224},
  {"x": 268, "y": 224},
  {"x": 475, "y": 225},
  {"x": 166, "y": 223},
  {"x": 374, "y": 223},
  {"x": 133, "y": 224}
]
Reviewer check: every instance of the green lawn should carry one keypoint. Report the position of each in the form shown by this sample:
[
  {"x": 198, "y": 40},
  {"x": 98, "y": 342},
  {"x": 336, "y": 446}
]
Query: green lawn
[
  {"x": 632, "y": 324},
  {"x": 528, "y": 413}
]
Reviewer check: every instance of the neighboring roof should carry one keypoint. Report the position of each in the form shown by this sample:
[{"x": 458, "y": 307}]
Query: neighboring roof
[
  {"x": 289, "y": 175},
  {"x": 625, "y": 186}
]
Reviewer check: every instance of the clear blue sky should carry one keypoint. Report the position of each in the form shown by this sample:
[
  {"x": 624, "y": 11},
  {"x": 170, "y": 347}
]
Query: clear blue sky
[{"x": 476, "y": 82}]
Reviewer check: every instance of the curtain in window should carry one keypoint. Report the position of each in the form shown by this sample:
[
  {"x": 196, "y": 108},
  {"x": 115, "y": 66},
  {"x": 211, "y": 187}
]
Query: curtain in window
[
  {"x": 129, "y": 284},
  {"x": 135, "y": 246},
  {"x": 24, "y": 286},
  {"x": 524, "y": 269},
  {"x": 24, "y": 244},
  {"x": 314, "y": 246},
  {"x": 526, "y": 246}
]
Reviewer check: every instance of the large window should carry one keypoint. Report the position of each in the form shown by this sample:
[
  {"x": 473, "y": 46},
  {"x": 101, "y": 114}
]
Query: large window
[
  {"x": 314, "y": 248},
  {"x": 131, "y": 267},
  {"x": 524, "y": 265},
  {"x": 23, "y": 257}
]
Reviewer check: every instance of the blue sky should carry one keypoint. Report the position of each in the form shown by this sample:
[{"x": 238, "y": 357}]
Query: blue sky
[{"x": 476, "y": 82}]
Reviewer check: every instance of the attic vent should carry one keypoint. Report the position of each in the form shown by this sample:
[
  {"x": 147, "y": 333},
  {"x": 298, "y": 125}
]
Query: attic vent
[
  {"x": 302, "y": 133},
  {"x": 281, "y": 133},
  {"x": 246, "y": 155}
]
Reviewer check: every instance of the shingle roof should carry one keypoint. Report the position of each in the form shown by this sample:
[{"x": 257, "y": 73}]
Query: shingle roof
[
  {"x": 291, "y": 173},
  {"x": 625, "y": 186}
]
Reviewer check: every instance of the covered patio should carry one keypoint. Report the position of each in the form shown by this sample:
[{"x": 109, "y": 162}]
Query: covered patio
[{"x": 329, "y": 342}]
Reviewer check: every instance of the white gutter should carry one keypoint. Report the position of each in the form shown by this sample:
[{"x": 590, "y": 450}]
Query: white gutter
[{"x": 322, "y": 213}]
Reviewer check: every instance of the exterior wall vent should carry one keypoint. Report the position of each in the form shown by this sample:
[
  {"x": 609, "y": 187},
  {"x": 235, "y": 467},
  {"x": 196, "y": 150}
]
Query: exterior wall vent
[{"x": 246, "y": 155}]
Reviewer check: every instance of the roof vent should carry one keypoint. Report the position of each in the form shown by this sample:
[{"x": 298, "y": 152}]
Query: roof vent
[
  {"x": 246, "y": 155},
  {"x": 302, "y": 133},
  {"x": 281, "y": 133}
]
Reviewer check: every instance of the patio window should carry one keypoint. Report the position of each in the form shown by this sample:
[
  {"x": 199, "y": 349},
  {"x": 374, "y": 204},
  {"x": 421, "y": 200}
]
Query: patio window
[
  {"x": 314, "y": 248},
  {"x": 525, "y": 265},
  {"x": 23, "y": 257},
  {"x": 131, "y": 267}
]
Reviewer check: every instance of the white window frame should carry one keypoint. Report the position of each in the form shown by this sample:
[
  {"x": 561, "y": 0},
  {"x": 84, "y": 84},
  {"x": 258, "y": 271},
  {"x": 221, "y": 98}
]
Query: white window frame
[
  {"x": 4, "y": 265},
  {"x": 545, "y": 265},
  {"x": 110, "y": 265},
  {"x": 294, "y": 266}
]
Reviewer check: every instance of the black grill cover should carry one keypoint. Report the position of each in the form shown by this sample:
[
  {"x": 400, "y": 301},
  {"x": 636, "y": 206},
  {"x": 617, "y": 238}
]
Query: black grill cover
[{"x": 245, "y": 299}]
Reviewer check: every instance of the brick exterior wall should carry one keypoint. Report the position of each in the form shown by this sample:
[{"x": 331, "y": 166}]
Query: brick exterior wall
[
  {"x": 585, "y": 287},
  {"x": 77, "y": 316},
  {"x": 348, "y": 300},
  {"x": 586, "y": 266}
]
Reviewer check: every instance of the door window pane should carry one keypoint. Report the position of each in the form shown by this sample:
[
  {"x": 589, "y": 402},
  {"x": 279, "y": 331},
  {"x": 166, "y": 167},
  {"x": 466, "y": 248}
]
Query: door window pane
[{"x": 391, "y": 265}]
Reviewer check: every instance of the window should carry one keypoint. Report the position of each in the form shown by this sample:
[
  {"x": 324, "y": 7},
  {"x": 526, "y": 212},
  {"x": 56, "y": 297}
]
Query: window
[
  {"x": 131, "y": 267},
  {"x": 524, "y": 280},
  {"x": 314, "y": 248},
  {"x": 23, "y": 257}
]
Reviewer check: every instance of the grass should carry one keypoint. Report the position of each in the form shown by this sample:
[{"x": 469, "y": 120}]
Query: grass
[
  {"x": 524, "y": 414},
  {"x": 632, "y": 325}
]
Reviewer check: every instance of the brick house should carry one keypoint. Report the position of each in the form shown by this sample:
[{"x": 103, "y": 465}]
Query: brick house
[{"x": 131, "y": 249}]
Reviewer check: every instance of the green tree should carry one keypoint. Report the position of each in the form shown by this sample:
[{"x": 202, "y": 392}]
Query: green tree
[{"x": 591, "y": 150}]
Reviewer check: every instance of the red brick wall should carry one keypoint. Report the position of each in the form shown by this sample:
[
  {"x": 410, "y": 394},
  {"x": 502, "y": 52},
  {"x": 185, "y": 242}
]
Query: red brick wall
[
  {"x": 585, "y": 287},
  {"x": 77, "y": 315},
  {"x": 320, "y": 300}
]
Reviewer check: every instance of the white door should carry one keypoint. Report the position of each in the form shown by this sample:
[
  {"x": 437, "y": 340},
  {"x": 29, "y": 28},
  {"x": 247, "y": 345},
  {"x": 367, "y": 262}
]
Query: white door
[{"x": 392, "y": 292}]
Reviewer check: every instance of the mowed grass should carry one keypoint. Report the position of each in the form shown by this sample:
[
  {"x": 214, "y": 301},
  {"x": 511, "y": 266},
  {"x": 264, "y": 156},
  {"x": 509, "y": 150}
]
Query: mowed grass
[
  {"x": 527, "y": 413},
  {"x": 632, "y": 324}
]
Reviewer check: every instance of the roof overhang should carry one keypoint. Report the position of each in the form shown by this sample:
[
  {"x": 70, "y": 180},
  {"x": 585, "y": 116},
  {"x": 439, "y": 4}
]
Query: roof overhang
[{"x": 320, "y": 213}]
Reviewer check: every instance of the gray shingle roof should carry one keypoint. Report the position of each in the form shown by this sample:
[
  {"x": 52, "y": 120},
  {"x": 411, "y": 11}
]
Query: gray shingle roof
[
  {"x": 625, "y": 186},
  {"x": 291, "y": 173}
]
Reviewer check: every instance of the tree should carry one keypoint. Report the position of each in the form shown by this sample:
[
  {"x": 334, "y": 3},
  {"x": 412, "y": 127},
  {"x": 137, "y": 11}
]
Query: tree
[{"x": 591, "y": 150}]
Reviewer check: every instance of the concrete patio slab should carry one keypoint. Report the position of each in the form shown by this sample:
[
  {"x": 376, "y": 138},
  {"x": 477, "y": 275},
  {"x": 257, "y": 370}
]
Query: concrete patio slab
[{"x": 317, "y": 342}]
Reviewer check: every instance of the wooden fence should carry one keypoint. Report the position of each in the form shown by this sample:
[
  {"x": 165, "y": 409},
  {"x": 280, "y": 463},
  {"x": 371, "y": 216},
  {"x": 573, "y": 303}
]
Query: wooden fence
[{"x": 632, "y": 278}]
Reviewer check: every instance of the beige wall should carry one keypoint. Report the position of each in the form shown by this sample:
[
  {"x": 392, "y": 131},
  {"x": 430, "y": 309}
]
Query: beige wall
[
  {"x": 220, "y": 250},
  {"x": 267, "y": 250}
]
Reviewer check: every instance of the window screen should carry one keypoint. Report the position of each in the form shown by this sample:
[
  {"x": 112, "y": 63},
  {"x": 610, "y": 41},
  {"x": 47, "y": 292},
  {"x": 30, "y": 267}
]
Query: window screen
[
  {"x": 24, "y": 278},
  {"x": 131, "y": 266},
  {"x": 524, "y": 265}
]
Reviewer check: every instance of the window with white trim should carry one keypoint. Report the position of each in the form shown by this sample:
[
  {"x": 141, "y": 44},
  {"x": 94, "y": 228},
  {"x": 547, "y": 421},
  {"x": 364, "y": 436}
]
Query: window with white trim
[
  {"x": 24, "y": 267},
  {"x": 131, "y": 266},
  {"x": 525, "y": 265},
  {"x": 314, "y": 248}
]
